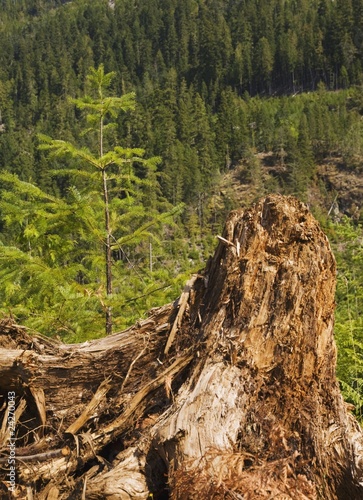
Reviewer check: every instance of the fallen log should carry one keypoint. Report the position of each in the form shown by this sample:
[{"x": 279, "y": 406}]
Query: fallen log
[{"x": 228, "y": 393}]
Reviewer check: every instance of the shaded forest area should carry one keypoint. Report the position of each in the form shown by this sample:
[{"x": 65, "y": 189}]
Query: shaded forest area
[{"x": 219, "y": 85}]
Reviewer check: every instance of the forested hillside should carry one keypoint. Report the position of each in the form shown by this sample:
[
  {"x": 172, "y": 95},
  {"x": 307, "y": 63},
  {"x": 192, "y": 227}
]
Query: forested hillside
[
  {"x": 264, "y": 93},
  {"x": 204, "y": 73}
]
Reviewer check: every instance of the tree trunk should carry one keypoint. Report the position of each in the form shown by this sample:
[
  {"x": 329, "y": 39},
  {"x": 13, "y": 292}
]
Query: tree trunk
[
  {"x": 228, "y": 393},
  {"x": 108, "y": 253}
]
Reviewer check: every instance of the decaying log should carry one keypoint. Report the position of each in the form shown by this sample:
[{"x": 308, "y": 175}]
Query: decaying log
[{"x": 228, "y": 393}]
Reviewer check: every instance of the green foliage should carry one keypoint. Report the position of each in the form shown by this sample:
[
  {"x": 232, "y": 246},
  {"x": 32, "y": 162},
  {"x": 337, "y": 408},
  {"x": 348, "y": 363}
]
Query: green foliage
[
  {"x": 42, "y": 264},
  {"x": 190, "y": 63},
  {"x": 61, "y": 257},
  {"x": 347, "y": 241}
]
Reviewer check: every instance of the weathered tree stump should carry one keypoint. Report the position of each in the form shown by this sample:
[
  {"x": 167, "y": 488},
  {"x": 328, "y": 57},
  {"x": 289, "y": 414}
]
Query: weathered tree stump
[{"x": 228, "y": 393}]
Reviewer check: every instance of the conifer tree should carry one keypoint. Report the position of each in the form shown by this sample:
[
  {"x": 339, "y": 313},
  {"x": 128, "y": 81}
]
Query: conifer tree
[
  {"x": 78, "y": 240},
  {"x": 106, "y": 165}
]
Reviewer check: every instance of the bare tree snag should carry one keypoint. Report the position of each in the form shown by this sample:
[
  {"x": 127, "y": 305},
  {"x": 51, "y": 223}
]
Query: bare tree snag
[{"x": 228, "y": 394}]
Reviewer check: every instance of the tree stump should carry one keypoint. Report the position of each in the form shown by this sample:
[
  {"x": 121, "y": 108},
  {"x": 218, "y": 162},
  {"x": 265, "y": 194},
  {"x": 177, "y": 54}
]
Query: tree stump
[{"x": 230, "y": 393}]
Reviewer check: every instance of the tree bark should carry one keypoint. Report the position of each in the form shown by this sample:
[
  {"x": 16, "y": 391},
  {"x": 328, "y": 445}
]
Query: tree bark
[{"x": 228, "y": 393}]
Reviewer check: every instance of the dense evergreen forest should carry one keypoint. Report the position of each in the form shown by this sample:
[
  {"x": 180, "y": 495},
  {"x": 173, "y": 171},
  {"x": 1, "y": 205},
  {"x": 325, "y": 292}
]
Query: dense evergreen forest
[{"x": 214, "y": 87}]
